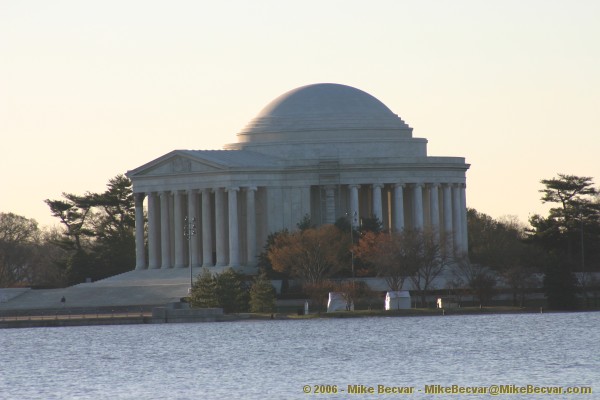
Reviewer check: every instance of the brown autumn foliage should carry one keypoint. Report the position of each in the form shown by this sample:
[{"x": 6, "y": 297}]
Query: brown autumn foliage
[
  {"x": 318, "y": 293},
  {"x": 388, "y": 255},
  {"x": 352, "y": 291},
  {"x": 310, "y": 255}
]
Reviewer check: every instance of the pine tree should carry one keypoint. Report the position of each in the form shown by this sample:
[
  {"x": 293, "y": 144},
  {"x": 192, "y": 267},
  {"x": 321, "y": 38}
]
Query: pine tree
[
  {"x": 231, "y": 292},
  {"x": 262, "y": 294},
  {"x": 204, "y": 292}
]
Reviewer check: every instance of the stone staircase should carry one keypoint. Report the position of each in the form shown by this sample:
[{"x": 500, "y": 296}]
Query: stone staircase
[{"x": 141, "y": 288}]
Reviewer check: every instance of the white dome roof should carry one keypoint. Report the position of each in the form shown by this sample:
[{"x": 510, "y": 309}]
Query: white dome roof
[{"x": 320, "y": 108}]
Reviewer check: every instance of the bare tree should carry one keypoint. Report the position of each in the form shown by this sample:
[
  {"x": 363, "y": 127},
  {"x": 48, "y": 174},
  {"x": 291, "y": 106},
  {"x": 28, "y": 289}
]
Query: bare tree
[
  {"x": 18, "y": 237},
  {"x": 352, "y": 291},
  {"x": 430, "y": 259},
  {"x": 391, "y": 254},
  {"x": 478, "y": 278},
  {"x": 317, "y": 292}
]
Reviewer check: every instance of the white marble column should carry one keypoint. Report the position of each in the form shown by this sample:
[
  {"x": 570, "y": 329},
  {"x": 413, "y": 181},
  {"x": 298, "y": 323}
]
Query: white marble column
[
  {"x": 153, "y": 231},
  {"x": 178, "y": 224},
  {"x": 463, "y": 219},
  {"x": 418, "y": 206},
  {"x": 354, "y": 211},
  {"x": 234, "y": 239},
  {"x": 399, "y": 207},
  {"x": 377, "y": 206},
  {"x": 220, "y": 230},
  {"x": 329, "y": 204},
  {"x": 434, "y": 208},
  {"x": 251, "y": 226},
  {"x": 447, "y": 203},
  {"x": 207, "y": 243},
  {"x": 434, "y": 211},
  {"x": 192, "y": 196},
  {"x": 140, "y": 251},
  {"x": 165, "y": 230},
  {"x": 456, "y": 220}
]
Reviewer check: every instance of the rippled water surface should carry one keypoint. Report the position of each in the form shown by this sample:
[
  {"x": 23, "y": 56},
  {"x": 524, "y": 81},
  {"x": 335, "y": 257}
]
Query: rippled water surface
[{"x": 276, "y": 359}]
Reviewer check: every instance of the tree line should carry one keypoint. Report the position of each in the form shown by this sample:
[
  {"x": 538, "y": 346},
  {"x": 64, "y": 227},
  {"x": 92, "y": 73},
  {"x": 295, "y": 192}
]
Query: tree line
[
  {"x": 556, "y": 246},
  {"x": 96, "y": 240}
]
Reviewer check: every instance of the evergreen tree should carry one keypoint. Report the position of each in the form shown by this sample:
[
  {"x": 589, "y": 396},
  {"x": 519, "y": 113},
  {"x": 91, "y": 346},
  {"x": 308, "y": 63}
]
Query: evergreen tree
[
  {"x": 98, "y": 231},
  {"x": 305, "y": 223},
  {"x": 262, "y": 294},
  {"x": 560, "y": 288},
  {"x": 370, "y": 224},
  {"x": 204, "y": 291},
  {"x": 572, "y": 229},
  {"x": 225, "y": 290},
  {"x": 231, "y": 292}
]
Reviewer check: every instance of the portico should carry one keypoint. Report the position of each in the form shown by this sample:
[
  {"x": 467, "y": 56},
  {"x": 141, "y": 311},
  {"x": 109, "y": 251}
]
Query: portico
[{"x": 322, "y": 150}]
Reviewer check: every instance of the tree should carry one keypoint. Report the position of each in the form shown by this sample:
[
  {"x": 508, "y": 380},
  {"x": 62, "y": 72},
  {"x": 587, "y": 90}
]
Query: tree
[
  {"x": 393, "y": 255},
  {"x": 567, "y": 189},
  {"x": 501, "y": 246},
  {"x": 18, "y": 238},
  {"x": 560, "y": 288},
  {"x": 114, "y": 227},
  {"x": 46, "y": 269},
  {"x": 572, "y": 228},
  {"x": 370, "y": 224},
  {"x": 204, "y": 291},
  {"x": 430, "y": 260},
  {"x": 225, "y": 290},
  {"x": 262, "y": 294},
  {"x": 352, "y": 291},
  {"x": 73, "y": 213},
  {"x": 98, "y": 231},
  {"x": 318, "y": 293},
  {"x": 231, "y": 291},
  {"x": 264, "y": 263},
  {"x": 305, "y": 223},
  {"x": 310, "y": 255},
  {"x": 480, "y": 279},
  {"x": 570, "y": 233}
]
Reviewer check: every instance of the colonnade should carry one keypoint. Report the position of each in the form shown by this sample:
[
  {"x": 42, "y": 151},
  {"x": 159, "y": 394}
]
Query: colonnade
[
  {"x": 442, "y": 205},
  {"x": 201, "y": 227},
  {"x": 221, "y": 223}
]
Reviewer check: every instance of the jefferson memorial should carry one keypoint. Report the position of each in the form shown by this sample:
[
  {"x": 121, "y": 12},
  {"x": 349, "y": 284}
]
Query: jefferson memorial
[{"x": 323, "y": 150}]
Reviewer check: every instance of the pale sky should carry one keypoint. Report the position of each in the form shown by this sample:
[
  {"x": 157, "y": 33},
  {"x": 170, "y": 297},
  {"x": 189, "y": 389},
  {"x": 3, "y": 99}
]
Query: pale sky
[{"x": 91, "y": 89}]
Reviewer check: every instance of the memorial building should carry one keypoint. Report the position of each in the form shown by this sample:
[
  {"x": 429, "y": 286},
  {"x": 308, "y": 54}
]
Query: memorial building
[{"x": 322, "y": 150}]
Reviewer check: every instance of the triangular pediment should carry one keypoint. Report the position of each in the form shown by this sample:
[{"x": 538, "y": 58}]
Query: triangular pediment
[{"x": 176, "y": 163}]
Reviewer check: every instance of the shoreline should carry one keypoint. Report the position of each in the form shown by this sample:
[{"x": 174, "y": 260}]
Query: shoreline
[{"x": 69, "y": 320}]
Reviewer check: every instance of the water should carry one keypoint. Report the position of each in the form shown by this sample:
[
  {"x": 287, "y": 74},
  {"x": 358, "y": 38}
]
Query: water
[{"x": 276, "y": 359}]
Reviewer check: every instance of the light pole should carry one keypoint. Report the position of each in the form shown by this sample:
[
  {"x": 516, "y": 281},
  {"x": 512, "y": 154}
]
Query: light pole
[
  {"x": 583, "y": 276},
  {"x": 189, "y": 230}
]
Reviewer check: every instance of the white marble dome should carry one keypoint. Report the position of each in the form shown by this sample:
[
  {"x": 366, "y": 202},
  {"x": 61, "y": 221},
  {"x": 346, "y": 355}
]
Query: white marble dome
[{"x": 320, "y": 112}]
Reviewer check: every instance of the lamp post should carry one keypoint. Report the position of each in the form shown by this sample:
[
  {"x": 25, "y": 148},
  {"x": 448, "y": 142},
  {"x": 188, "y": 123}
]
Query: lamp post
[
  {"x": 583, "y": 276},
  {"x": 189, "y": 230}
]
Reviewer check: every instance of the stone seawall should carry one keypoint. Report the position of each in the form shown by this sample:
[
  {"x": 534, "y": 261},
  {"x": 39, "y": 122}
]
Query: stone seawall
[
  {"x": 63, "y": 322},
  {"x": 159, "y": 315},
  {"x": 163, "y": 315}
]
